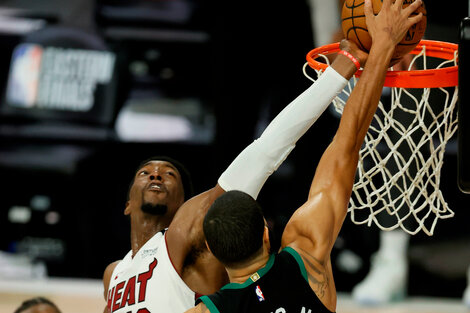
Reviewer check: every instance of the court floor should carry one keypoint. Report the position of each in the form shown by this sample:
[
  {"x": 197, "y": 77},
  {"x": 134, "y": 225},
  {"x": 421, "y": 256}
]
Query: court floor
[
  {"x": 83, "y": 296},
  {"x": 410, "y": 305}
]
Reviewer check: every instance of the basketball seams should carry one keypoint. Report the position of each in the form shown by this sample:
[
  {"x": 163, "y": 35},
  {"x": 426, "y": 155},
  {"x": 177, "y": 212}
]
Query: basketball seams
[
  {"x": 354, "y": 6},
  {"x": 352, "y": 17},
  {"x": 355, "y": 28}
]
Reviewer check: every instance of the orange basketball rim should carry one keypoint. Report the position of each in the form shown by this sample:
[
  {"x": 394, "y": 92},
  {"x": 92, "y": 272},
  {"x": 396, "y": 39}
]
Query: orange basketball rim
[{"x": 427, "y": 78}]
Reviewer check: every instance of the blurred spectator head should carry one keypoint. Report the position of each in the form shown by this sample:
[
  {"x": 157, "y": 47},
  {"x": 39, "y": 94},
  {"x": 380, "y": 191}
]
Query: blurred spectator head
[{"x": 37, "y": 305}]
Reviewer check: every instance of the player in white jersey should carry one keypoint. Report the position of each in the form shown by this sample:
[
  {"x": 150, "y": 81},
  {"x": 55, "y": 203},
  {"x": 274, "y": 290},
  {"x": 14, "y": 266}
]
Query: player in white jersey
[
  {"x": 149, "y": 269},
  {"x": 156, "y": 201}
]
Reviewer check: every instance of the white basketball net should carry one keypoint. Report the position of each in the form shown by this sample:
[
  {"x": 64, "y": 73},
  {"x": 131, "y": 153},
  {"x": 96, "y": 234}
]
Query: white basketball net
[{"x": 402, "y": 156}]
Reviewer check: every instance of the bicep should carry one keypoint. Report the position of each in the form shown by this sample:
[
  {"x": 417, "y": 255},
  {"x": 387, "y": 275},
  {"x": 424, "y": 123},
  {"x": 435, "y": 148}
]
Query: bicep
[
  {"x": 334, "y": 179},
  {"x": 311, "y": 228},
  {"x": 316, "y": 224},
  {"x": 185, "y": 231},
  {"x": 335, "y": 171}
]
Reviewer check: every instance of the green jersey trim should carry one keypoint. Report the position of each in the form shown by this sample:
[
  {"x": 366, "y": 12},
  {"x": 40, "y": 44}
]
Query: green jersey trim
[
  {"x": 299, "y": 260},
  {"x": 209, "y": 304},
  {"x": 253, "y": 278}
]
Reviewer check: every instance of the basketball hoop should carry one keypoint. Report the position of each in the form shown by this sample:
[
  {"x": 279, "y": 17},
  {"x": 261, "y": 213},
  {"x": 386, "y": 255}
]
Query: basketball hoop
[
  {"x": 427, "y": 78},
  {"x": 402, "y": 155}
]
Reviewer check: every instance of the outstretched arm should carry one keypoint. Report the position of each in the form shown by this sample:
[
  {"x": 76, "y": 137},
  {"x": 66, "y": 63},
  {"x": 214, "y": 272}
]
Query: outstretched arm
[
  {"x": 249, "y": 171},
  {"x": 314, "y": 227}
]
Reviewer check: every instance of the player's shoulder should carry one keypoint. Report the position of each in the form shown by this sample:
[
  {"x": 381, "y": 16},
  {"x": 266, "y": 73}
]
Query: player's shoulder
[
  {"x": 110, "y": 269},
  {"x": 108, "y": 272},
  {"x": 112, "y": 265}
]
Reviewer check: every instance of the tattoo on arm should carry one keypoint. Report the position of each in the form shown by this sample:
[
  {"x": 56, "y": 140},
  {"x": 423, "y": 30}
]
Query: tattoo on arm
[{"x": 319, "y": 284}]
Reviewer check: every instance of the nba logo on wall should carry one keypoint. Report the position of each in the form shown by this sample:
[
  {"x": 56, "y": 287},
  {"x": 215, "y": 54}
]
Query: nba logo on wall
[
  {"x": 24, "y": 75},
  {"x": 57, "y": 78},
  {"x": 259, "y": 293}
]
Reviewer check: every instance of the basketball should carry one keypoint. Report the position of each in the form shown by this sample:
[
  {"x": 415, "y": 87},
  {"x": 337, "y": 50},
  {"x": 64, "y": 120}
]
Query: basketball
[{"x": 353, "y": 22}]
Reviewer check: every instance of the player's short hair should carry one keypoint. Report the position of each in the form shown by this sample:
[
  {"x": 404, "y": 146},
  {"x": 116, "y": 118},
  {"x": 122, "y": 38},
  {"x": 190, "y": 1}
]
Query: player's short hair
[
  {"x": 33, "y": 302},
  {"x": 184, "y": 173},
  {"x": 234, "y": 227}
]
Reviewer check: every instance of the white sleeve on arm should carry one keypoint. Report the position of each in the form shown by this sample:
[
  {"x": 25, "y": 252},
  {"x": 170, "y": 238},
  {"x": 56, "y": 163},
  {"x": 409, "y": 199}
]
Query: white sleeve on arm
[{"x": 252, "y": 167}]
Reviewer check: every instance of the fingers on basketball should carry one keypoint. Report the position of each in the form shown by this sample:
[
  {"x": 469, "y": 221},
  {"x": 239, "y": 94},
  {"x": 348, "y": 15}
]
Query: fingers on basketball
[{"x": 353, "y": 22}]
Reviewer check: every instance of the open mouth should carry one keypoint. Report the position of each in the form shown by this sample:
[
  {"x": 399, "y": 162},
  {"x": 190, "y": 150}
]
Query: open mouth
[{"x": 156, "y": 187}]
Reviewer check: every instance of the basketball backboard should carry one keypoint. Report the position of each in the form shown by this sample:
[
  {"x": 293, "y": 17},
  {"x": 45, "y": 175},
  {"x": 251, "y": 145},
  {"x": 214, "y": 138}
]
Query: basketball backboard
[{"x": 464, "y": 108}]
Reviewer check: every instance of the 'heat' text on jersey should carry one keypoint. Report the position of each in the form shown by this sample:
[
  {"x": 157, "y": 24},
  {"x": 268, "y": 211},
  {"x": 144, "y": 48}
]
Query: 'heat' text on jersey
[{"x": 125, "y": 292}]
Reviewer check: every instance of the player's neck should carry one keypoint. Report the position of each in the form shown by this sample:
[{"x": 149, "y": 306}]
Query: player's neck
[
  {"x": 144, "y": 227},
  {"x": 240, "y": 275}
]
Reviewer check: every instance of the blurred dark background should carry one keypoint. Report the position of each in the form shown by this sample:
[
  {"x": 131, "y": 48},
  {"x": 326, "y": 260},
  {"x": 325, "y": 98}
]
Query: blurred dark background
[{"x": 194, "y": 79}]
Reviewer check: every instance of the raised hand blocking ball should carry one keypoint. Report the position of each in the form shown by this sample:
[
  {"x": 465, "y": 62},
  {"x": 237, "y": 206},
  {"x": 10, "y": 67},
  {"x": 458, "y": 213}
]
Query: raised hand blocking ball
[{"x": 353, "y": 22}]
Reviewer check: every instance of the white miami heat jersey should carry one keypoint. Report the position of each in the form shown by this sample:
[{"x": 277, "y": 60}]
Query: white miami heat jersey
[{"x": 148, "y": 283}]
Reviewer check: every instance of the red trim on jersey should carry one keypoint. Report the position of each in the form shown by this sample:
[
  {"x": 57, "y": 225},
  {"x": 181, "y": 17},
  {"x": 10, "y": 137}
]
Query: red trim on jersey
[{"x": 110, "y": 298}]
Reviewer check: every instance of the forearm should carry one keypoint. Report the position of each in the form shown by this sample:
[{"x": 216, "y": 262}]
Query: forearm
[
  {"x": 250, "y": 170},
  {"x": 337, "y": 167},
  {"x": 332, "y": 184},
  {"x": 362, "y": 104},
  {"x": 344, "y": 66}
]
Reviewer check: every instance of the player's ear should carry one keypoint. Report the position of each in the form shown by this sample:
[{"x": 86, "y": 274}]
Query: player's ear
[
  {"x": 207, "y": 245},
  {"x": 127, "y": 210},
  {"x": 266, "y": 241},
  {"x": 266, "y": 234}
]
